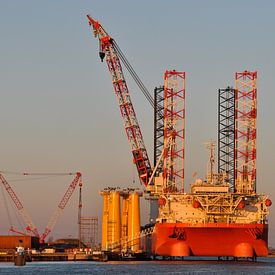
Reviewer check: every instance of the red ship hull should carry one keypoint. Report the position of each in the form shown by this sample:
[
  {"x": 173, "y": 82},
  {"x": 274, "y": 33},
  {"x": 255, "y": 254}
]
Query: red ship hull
[{"x": 212, "y": 239}]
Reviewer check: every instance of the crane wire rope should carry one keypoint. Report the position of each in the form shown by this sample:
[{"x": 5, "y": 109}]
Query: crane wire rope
[
  {"x": 32, "y": 179},
  {"x": 19, "y": 219},
  {"x": 6, "y": 205},
  {"x": 133, "y": 74},
  {"x": 37, "y": 174},
  {"x": 136, "y": 78}
]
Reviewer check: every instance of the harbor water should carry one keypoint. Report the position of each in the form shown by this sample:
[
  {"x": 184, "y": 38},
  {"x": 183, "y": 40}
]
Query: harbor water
[{"x": 262, "y": 266}]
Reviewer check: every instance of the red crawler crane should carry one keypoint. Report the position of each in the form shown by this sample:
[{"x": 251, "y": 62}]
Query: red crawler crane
[
  {"x": 108, "y": 49},
  {"x": 30, "y": 227},
  {"x": 62, "y": 205}
]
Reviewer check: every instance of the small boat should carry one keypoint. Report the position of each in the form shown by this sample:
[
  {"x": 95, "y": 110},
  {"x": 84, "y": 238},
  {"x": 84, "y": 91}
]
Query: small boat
[{"x": 19, "y": 259}]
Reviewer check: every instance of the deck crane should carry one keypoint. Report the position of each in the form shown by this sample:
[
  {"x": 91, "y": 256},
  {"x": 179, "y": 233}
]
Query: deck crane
[
  {"x": 109, "y": 50},
  {"x": 30, "y": 227}
]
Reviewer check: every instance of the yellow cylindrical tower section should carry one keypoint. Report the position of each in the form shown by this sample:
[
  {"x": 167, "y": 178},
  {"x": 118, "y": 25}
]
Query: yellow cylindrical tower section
[
  {"x": 114, "y": 224},
  {"x": 124, "y": 220},
  {"x": 105, "y": 215},
  {"x": 134, "y": 222}
]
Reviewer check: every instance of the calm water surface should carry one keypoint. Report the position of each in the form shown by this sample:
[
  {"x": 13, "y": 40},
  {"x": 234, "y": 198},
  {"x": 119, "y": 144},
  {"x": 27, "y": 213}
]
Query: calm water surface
[{"x": 262, "y": 266}]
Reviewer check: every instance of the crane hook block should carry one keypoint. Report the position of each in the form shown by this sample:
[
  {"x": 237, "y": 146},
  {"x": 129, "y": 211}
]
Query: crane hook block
[{"x": 102, "y": 55}]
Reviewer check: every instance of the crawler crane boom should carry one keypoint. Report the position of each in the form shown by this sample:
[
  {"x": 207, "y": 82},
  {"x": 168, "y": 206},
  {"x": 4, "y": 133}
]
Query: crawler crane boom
[
  {"x": 22, "y": 211},
  {"x": 53, "y": 220}
]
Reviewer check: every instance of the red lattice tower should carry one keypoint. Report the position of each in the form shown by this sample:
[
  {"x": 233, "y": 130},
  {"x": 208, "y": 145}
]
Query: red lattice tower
[
  {"x": 174, "y": 122},
  {"x": 245, "y": 131}
]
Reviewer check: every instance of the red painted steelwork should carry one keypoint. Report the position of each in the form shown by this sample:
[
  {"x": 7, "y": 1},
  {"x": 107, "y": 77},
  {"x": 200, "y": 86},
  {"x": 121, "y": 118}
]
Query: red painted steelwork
[
  {"x": 76, "y": 181},
  {"x": 133, "y": 132},
  {"x": 245, "y": 131},
  {"x": 174, "y": 124},
  {"x": 212, "y": 239},
  {"x": 30, "y": 226}
]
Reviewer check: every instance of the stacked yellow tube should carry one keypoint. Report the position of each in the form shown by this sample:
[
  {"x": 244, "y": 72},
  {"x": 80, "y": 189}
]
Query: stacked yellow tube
[
  {"x": 134, "y": 222},
  {"x": 124, "y": 221},
  {"x": 113, "y": 234},
  {"x": 120, "y": 230},
  {"x": 105, "y": 215}
]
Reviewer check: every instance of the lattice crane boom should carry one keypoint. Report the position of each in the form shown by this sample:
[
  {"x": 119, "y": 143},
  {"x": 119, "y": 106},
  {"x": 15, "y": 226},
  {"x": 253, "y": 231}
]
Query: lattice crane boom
[
  {"x": 22, "y": 211},
  {"x": 108, "y": 49},
  {"x": 54, "y": 218}
]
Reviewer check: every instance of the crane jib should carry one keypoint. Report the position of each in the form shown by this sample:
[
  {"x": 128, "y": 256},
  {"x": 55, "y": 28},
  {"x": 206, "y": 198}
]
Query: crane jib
[{"x": 109, "y": 50}]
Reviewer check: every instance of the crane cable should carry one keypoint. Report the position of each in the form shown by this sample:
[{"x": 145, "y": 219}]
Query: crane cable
[
  {"x": 133, "y": 74},
  {"x": 6, "y": 205},
  {"x": 17, "y": 179},
  {"x": 8, "y": 211},
  {"x": 157, "y": 107},
  {"x": 19, "y": 219},
  {"x": 136, "y": 78},
  {"x": 37, "y": 174}
]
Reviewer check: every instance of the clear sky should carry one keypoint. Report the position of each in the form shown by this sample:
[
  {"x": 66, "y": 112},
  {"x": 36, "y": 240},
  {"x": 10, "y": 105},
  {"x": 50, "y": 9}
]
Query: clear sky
[{"x": 58, "y": 111}]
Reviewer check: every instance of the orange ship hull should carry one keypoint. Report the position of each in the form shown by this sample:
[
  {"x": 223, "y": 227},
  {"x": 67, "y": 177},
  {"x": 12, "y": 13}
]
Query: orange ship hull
[{"x": 212, "y": 239}]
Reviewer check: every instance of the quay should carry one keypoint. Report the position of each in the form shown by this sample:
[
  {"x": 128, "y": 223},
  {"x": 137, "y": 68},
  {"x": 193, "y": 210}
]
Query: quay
[{"x": 9, "y": 256}]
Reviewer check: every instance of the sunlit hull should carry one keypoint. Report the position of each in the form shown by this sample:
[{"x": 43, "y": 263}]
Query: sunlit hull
[{"x": 212, "y": 239}]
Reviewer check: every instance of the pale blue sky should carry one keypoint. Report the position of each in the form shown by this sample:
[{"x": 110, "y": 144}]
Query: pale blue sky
[{"x": 58, "y": 110}]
